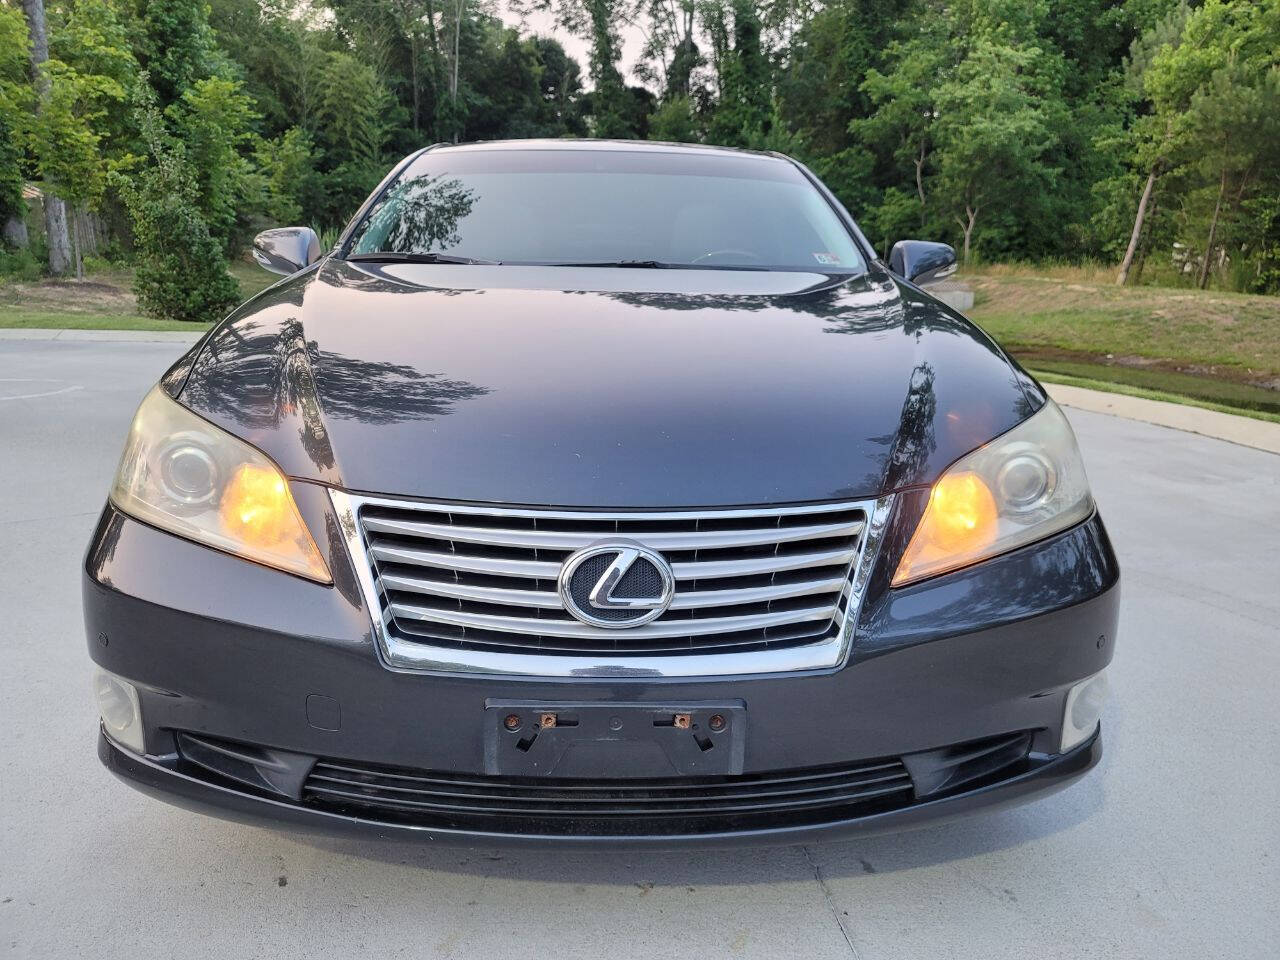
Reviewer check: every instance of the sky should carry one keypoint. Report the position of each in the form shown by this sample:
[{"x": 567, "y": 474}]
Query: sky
[{"x": 544, "y": 24}]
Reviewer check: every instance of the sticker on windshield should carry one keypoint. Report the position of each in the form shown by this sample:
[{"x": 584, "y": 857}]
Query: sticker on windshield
[{"x": 827, "y": 259}]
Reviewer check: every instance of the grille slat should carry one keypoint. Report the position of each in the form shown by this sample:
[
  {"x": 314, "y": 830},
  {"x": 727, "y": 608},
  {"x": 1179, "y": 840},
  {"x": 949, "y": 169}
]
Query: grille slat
[
  {"x": 572, "y": 628},
  {"x": 465, "y": 591},
  {"x": 543, "y": 570},
  {"x": 655, "y": 540},
  {"x": 549, "y": 600},
  {"x": 694, "y": 599},
  {"x": 511, "y": 642},
  {"x": 433, "y": 558},
  {"x": 484, "y": 578}
]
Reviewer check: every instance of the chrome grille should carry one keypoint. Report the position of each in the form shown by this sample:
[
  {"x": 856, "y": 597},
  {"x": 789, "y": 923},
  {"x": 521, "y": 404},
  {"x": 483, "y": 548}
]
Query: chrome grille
[{"x": 454, "y": 577}]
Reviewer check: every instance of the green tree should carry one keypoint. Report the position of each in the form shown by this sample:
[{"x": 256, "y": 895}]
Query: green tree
[
  {"x": 560, "y": 85},
  {"x": 181, "y": 270},
  {"x": 993, "y": 131},
  {"x": 95, "y": 39},
  {"x": 287, "y": 166},
  {"x": 508, "y": 85},
  {"x": 15, "y": 108},
  {"x": 744, "y": 111},
  {"x": 904, "y": 112},
  {"x": 281, "y": 50},
  {"x": 674, "y": 122},
  {"x": 826, "y": 65},
  {"x": 670, "y": 53},
  {"x": 55, "y": 209},
  {"x": 77, "y": 133},
  {"x": 1218, "y": 47},
  {"x": 611, "y": 106},
  {"x": 214, "y": 120},
  {"x": 176, "y": 46},
  {"x": 67, "y": 141},
  {"x": 353, "y": 141},
  {"x": 1235, "y": 121},
  {"x": 966, "y": 115}
]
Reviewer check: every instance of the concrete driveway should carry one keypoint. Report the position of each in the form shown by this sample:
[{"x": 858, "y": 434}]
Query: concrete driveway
[{"x": 1170, "y": 849}]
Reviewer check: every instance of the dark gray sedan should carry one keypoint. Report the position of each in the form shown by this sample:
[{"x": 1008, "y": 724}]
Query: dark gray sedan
[{"x": 599, "y": 492}]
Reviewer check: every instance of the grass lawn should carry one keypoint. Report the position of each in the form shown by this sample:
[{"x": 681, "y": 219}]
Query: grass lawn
[
  {"x": 103, "y": 300},
  {"x": 1219, "y": 350}
]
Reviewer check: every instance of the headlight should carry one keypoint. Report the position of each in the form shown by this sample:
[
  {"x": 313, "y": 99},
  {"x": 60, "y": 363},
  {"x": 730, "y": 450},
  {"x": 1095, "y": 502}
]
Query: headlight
[
  {"x": 1019, "y": 488},
  {"x": 184, "y": 475}
]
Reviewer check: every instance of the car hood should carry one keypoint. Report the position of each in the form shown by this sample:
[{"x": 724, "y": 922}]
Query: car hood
[{"x": 603, "y": 387}]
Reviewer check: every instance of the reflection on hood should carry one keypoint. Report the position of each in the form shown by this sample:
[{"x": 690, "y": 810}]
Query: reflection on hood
[{"x": 698, "y": 390}]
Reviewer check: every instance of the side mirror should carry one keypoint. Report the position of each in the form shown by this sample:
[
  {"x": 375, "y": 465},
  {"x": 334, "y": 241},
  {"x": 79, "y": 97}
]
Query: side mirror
[
  {"x": 922, "y": 261},
  {"x": 286, "y": 250}
]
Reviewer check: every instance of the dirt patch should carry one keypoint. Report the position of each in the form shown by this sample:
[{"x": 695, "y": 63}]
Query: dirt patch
[
  {"x": 1028, "y": 356},
  {"x": 82, "y": 285},
  {"x": 1132, "y": 361},
  {"x": 71, "y": 296}
]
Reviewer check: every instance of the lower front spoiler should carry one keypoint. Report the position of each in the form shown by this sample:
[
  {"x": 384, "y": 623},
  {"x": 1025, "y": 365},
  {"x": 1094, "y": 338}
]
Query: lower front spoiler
[{"x": 1045, "y": 776}]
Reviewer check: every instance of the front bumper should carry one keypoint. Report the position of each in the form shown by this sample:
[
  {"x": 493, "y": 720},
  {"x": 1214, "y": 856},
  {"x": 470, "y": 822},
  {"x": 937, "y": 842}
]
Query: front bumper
[
  {"x": 160, "y": 779},
  {"x": 222, "y": 648}
]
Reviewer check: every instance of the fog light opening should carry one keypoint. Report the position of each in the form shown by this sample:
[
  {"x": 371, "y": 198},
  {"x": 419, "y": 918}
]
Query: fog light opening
[
  {"x": 120, "y": 711},
  {"x": 1083, "y": 710}
]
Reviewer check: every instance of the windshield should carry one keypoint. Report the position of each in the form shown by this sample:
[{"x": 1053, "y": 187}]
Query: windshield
[{"x": 635, "y": 208}]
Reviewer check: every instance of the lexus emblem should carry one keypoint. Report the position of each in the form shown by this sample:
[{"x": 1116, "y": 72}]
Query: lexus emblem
[{"x": 616, "y": 584}]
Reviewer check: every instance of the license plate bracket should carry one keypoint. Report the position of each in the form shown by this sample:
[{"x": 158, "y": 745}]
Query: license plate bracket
[{"x": 633, "y": 740}]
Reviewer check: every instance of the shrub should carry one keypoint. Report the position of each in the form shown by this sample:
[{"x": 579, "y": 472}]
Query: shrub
[
  {"x": 19, "y": 265},
  {"x": 181, "y": 269}
]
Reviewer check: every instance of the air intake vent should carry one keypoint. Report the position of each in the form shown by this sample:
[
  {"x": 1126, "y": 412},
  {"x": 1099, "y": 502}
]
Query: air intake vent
[
  {"x": 562, "y": 806},
  {"x": 689, "y": 805}
]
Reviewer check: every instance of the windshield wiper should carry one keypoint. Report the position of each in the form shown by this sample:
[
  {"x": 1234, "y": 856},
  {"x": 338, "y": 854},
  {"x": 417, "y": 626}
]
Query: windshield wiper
[
  {"x": 392, "y": 256},
  {"x": 655, "y": 265}
]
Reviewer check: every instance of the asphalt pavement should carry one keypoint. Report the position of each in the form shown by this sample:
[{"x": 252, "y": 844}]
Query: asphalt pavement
[{"x": 1169, "y": 849}]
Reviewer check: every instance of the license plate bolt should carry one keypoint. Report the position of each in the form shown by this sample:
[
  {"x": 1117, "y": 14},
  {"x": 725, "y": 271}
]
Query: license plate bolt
[
  {"x": 682, "y": 721},
  {"x": 716, "y": 723},
  {"x": 547, "y": 720}
]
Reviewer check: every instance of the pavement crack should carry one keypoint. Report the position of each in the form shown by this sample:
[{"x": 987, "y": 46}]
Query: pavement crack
[{"x": 831, "y": 903}]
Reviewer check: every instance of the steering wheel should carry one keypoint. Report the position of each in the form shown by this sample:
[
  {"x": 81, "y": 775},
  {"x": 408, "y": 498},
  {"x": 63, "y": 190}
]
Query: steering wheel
[{"x": 728, "y": 250}]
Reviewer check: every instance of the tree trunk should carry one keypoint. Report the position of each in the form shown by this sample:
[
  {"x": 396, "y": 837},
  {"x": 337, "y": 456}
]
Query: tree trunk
[
  {"x": 1213, "y": 229},
  {"x": 413, "y": 72},
  {"x": 967, "y": 226},
  {"x": 417, "y": 97},
  {"x": 437, "y": 71},
  {"x": 434, "y": 41},
  {"x": 55, "y": 228},
  {"x": 919, "y": 162},
  {"x": 55, "y": 211},
  {"x": 76, "y": 249},
  {"x": 1144, "y": 246},
  {"x": 15, "y": 233},
  {"x": 1127, "y": 262},
  {"x": 34, "y": 9},
  {"x": 453, "y": 80},
  {"x": 457, "y": 34}
]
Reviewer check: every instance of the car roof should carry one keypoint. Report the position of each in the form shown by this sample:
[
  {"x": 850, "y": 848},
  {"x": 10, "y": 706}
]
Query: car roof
[{"x": 604, "y": 146}]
